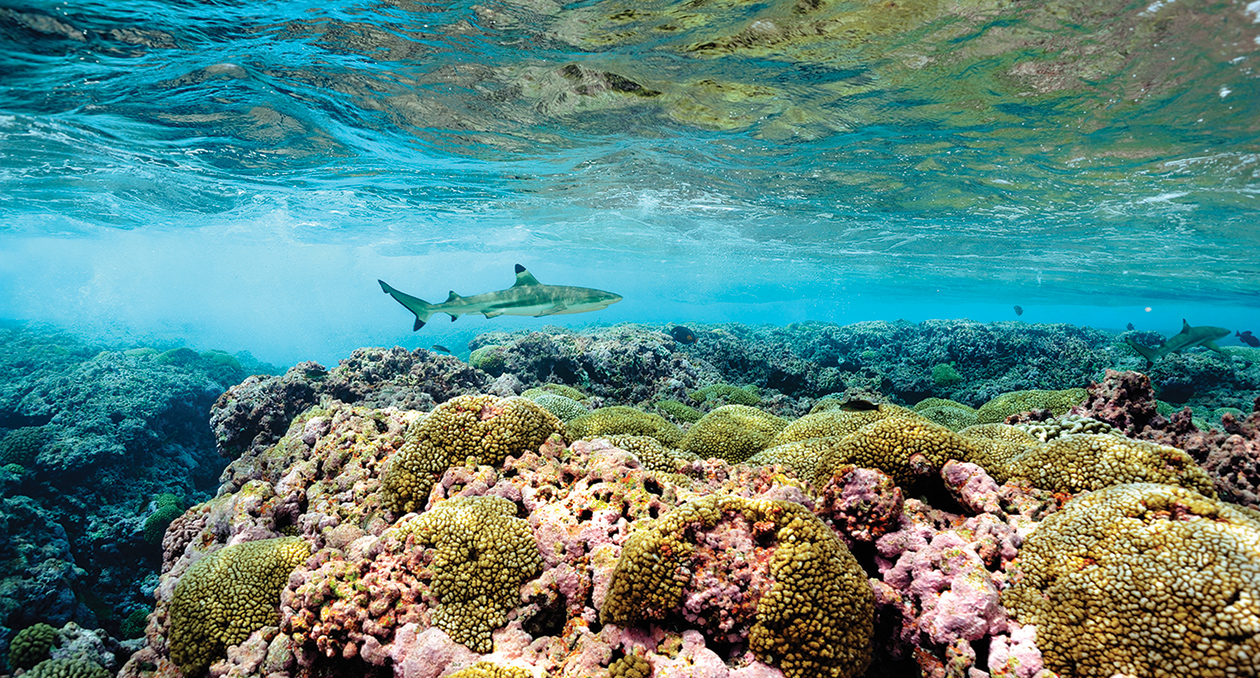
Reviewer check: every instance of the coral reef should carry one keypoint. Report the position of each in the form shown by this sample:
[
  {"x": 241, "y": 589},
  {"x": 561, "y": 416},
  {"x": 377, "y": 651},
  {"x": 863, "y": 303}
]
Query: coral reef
[{"x": 440, "y": 525}]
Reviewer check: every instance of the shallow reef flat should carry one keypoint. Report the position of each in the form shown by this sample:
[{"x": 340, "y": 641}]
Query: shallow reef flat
[{"x": 946, "y": 498}]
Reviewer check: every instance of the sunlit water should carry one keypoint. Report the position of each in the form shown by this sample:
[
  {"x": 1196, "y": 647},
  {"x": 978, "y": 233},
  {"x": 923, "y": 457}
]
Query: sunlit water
[{"x": 239, "y": 174}]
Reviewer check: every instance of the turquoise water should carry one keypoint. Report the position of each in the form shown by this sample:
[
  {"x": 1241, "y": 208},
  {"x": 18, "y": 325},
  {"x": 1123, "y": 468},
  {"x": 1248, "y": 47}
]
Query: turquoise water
[{"x": 239, "y": 174}]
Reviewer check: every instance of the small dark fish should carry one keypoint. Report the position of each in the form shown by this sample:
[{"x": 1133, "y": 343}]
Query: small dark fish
[
  {"x": 858, "y": 405},
  {"x": 1130, "y": 327},
  {"x": 1019, "y": 311},
  {"x": 682, "y": 335},
  {"x": 441, "y": 349},
  {"x": 1248, "y": 338}
]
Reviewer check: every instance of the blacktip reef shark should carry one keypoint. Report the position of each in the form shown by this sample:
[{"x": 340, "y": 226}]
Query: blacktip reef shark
[
  {"x": 526, "y": 297},
  {"x": 1188, "y": 337}
]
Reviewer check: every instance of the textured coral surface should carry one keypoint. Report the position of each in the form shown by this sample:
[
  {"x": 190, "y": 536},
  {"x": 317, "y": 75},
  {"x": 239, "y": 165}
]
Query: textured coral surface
[{"x": 449, "y": 520}]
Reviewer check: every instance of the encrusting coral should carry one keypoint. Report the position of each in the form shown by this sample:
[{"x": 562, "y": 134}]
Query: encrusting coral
[
  {"x": 228, "y": 595},
  {"x": 732, "y": 432},
  {"x": 816, "y": 619},
  {"x": 1143, "y": 580}
]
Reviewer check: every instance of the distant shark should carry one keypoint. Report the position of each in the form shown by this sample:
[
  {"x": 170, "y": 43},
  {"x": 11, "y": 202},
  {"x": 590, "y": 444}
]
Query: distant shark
[
  {"x": 1188, "y": 337},
  {"x": 526, "y": 297}
]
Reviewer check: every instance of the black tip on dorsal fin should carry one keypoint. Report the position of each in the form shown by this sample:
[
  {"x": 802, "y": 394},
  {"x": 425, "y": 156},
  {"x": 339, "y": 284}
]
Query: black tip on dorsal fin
[{"x": 519, "y": 268}]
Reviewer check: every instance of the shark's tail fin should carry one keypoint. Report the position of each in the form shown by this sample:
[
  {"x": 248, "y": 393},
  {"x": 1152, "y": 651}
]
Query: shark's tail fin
[
  {"x": 420, "y": 307},
  {"x": 1147, "y": 352}
]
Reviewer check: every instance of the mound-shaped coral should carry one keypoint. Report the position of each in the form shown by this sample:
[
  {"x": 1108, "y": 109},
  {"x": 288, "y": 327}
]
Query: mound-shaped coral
[
  {"x": 21, "y": 446},
  {"x": 484, "y": 553},
  {"x": 651, "y": 452},
  {"x": 1068, "y": 424},
  {"x": 1003, "y": 406},
  {"x": 483, "y": 428},
  {"x": 1090, "y": 461},
  {"x": 907, "y": 448},
  {"x": 732, "y": 432},
  {"x": 623, "y": 420},
  {"x": 491, "y": 670},
  {"x": 836, "y": 422},
  {"x": 564, "y": 407},
  {"x": 228, "y": 595},
  {"x": 67, "y": 668},
  {"x": 31, "y": 646},
  {"x": 954, "y": 416},
  {"x": 817, "y": 617},
  {"x": 995, "y": 446},
  {"x": 1143, "y": 580}
]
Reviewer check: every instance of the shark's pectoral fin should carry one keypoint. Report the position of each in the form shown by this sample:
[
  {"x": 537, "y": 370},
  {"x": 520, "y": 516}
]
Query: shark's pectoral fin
[
  {"x": 558, "y": 308},
  {"x": 454, "y": 316},
  {"x": 494, "y": 313},
  {"x": 1212, "y": 345}
]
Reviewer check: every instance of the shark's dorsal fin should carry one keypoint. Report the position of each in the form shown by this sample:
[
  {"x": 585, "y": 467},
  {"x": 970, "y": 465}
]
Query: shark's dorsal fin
[
  {"x": 524, "y": 277},
  {"x": 1185, "y": 326},
  {"x": 452, "y": 297}
]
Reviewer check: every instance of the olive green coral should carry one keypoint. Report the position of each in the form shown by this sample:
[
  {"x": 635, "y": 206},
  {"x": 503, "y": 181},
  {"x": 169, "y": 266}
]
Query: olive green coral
[
  {"x": 1003, "y": 406},
  {"x": 67, "y": 668},
  {"x": 1143, "y": 580},
  {"x": 904, "y": 447},
  {"x": 953, "y": 417},
  {"x": 491, "y": 670},
  {"x": 995, "y": 446},
  {"x": 622, "y": 420},
  {"x": 565, "y": 408},
  {"x": 679, "y": 411},
  {"x": 836, "y": 422},
  {"x": 484, "y": 555},
  {"x": 732, "y": 432},
  {"x": 728, "y": 392},
  {"x": 650, "y": 451},
  {"x": 228, "y": 595},
  {"x": 633, "y": 665},
  {"x": 556, "y": 389},
  {"x": 31, "y": 645},
  {"x": 22, "y": 445},
  {"x": 1090, "y": 461},
  {"x": 169, "y": 507},
  {"x": 483, "y": 428},
  {"x": 816, "y": 619}
]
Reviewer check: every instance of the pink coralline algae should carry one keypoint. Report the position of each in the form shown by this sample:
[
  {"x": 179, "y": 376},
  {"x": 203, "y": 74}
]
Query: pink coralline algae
[
  {"x": 941, "y": 573},
  {"x": 1231, "y": 456}
]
